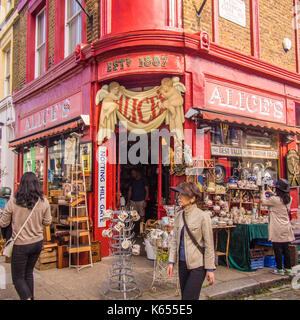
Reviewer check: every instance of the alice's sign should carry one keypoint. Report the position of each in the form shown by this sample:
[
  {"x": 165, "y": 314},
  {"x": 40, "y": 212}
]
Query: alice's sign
[
  {"x": 244, "y": 153},
  {"x": 246, "y": 103},
  {"x": 51, "y": 115},
  {"x": 102, "y": 177}
]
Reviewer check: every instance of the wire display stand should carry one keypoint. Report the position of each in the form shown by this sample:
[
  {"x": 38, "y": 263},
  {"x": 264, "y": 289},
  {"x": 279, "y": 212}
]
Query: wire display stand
[
  {"x": 160, "y": 276},
  {"x": 121, "y": 283}
]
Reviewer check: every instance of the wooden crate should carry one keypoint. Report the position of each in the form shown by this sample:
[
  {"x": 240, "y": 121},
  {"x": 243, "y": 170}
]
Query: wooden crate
[
  {"x": 96, "y": 251},
  {"x": 48, "y": 256},
  {"x": 46, "y": 266}
]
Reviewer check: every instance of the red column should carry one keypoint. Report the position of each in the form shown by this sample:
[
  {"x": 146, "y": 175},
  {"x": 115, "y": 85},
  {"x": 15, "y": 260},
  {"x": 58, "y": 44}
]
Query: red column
[
  {"x": 297, "y": 35},
  {"x": 254, "y": 23},
  {"x": 215, "y": 20}
]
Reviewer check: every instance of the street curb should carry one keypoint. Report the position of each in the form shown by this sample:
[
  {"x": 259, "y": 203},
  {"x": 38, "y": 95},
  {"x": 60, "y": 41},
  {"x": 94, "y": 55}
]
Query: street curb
[{"x": 249, "y": 289}]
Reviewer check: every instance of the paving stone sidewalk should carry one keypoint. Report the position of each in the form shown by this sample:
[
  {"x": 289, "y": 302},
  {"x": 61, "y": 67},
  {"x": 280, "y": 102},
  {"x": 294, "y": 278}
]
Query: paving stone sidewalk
[{"x": 88, "y": 283}]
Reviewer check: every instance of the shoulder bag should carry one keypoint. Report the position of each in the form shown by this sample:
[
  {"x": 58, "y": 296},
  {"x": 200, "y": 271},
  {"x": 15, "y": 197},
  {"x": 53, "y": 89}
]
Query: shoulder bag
[
  {"x": 201, "y": 249},
  {"x": 8, "y": 247}
]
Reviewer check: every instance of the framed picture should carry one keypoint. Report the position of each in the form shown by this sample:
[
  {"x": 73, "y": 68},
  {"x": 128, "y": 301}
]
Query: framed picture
[{"x": 86, "y": 159}]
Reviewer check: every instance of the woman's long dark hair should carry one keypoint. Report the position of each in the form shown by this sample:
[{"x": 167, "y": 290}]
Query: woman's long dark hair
[
  {"x": 284, "y": 196},
  {"x": 29, "y": 191}
]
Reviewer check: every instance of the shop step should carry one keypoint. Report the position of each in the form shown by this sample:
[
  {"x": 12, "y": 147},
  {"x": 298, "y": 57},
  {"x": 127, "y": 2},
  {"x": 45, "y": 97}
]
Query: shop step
[
  {"x": 218, "y": 253},
  {"x": 75, "y": 202},
  {"x": 77, "y": 181},
  {"x": 80, "y": 248}
]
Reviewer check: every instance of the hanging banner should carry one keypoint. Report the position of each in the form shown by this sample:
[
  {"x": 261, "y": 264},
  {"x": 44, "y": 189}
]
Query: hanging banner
[
  {"x": 141, "y": 111},
  {"x": 102, "y": 177},
  {"x": 70, "y": 145}
]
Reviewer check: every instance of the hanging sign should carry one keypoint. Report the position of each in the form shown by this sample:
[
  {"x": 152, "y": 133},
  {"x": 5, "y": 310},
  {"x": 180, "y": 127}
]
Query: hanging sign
[
  {"x": 102, "y": 177},
  {"x": 293, "y": 168},
  {"x": 246, "y": 103},
  {"x": 141, "y": 111},
  {"x": 245, "y": 153}
]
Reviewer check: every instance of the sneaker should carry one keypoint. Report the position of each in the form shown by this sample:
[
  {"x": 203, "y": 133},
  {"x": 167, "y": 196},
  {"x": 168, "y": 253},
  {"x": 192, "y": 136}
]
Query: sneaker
[
  {"x": 288, "y": 272},
  {"x": 278, "y": 271}
]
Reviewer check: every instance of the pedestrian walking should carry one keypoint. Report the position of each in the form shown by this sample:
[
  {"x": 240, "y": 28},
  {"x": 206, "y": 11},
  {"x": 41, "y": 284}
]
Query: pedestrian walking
[
  {"x": 280, "y": 228},
  {"x": 192, "y": 246},
  {"x": 28, "y": 245}
]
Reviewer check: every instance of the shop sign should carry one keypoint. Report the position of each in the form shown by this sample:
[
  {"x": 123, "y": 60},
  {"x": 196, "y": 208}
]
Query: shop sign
[
  {"x": 293, "y": 168},
  {"x": 233, "y": 10},
  {"x": 138, "y": 62},
  {"x": 102, "y": 177},
  {"x": 245, "y": 103},
  {"x": 243, "y": 153},
  {"x": 51, "y": 115}
]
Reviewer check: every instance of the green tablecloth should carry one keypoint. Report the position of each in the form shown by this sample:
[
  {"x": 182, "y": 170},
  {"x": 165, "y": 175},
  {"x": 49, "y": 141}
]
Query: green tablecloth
[{"x": 239, "y": 247}]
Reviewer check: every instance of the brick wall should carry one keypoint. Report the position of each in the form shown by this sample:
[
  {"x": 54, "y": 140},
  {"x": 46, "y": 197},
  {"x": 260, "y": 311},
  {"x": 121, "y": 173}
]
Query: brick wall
[
  {"x": 93, "y": 30},
  {"x": 191, "y": 22},
  {"x": 19, "y": 51},
  {"x": 275, "y": 25},
  {"x": 235, "y": 36},
  {"x": 51, "y": 33},
  {"x": 275, "y": 18}
]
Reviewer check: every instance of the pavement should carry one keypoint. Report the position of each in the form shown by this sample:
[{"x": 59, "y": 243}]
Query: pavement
[{"x": 90, "y": 283}]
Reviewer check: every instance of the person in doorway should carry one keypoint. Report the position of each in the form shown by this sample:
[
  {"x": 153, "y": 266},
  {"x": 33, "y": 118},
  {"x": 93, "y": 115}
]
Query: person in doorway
[
  {"x": 192, "y": 245},
  {"x": 280, "y": 228},
  {"x": 138, "y": 193},
  {"x": 28, "y": 245}
]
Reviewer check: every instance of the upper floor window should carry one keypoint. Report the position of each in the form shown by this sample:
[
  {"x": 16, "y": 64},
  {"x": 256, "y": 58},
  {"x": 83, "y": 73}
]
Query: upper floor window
[
  {"x": 8, "y": 5},
  {"x": 7, "y": 72},
  {"x": 73, "y": 26},
  {"x": 40, "y": 47}
]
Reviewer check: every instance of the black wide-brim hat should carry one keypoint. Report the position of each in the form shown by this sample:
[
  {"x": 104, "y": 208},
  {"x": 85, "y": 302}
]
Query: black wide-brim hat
[
  {"x": 282, "y": 185},
  {"x": 178, "y": 189}
]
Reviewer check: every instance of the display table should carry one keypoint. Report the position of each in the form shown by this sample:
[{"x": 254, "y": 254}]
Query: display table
[
  {"x": 239, "y": 247},
  {"x": 216, "y": 230}
]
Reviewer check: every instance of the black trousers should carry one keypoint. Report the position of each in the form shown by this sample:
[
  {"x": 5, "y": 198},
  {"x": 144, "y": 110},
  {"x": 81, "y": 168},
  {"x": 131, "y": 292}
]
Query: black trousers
[
  {"x": 23, "y": 260},
  {"x": 190, "y": 281},
  {"x": 282, "y": 249}
]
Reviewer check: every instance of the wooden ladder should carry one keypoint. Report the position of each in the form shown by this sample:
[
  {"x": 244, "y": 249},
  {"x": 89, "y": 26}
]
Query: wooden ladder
[{"x": 79, "y": 224}]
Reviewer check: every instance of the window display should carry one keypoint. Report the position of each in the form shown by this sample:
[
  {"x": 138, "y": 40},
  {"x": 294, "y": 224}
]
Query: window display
[
  {"x": 33, "y": 160},
  {"x": 62, "y": 155}
]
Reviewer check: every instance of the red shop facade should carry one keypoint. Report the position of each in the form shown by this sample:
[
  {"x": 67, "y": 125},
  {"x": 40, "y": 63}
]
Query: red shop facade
[{"x": 243, "y": 109}]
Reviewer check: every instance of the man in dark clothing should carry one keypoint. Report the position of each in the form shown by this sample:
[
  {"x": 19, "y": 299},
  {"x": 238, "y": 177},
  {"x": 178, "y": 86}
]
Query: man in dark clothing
[{"x": 138, "y": 193}]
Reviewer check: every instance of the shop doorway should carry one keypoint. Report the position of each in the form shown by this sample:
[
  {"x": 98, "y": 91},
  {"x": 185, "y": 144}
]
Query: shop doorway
[{"x": 156, "y": 176}]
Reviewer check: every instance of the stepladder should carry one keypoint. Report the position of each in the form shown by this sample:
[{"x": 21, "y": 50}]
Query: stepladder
[{"x": 80, "y": 239}]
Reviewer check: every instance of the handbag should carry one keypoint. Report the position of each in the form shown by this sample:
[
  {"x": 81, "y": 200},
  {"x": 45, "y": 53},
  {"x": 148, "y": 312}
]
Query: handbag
[
  {"x": 201, "y": 249},
  {"x": 8, "y": 247}
]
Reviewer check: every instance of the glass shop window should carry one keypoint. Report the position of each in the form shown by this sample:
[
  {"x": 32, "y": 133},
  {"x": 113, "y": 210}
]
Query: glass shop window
[
  {"x": 40, "y": 50},
  {"x": 62, "y": 155},
  {"x": 33, "y": 160},
  {"x": 245, "y": 154},
  {"x": 297, "y": 114}
]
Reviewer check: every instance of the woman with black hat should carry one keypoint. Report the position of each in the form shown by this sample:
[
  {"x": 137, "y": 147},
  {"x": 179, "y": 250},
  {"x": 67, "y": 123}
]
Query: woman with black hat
[
  {"x": 280, "y": 229},
  {"x": 192, "y": 246}
]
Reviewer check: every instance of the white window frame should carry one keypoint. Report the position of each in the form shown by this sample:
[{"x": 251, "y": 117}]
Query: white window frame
[
  {"x": 7, "y": 76},
  {"x": 8, "y": 5},
  {"x": 37, "y": 59},
  {"x": 67, "y": 28}
]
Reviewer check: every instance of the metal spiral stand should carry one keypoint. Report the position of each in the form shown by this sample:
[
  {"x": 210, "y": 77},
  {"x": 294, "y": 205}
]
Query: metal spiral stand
[{"x": 121, "y": 283}]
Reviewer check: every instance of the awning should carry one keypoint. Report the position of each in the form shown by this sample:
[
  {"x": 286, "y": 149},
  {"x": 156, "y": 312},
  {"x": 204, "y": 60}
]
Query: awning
[
  {"x": 258, "y": 124},
  {"x": 71, "y": 126}
]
